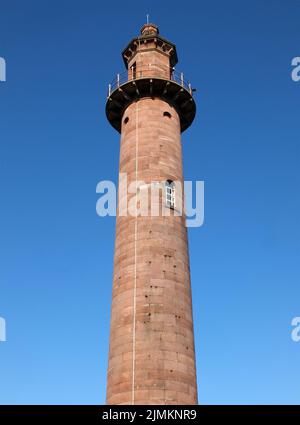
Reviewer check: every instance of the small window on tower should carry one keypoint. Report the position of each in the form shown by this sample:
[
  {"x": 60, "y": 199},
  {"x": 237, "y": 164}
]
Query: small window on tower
[
  {"x": 167, "y": 114},
  {"x": 170, "y": 194},
  {"x": 126, "y": 120},
  {"x": 133, "y": 71}
]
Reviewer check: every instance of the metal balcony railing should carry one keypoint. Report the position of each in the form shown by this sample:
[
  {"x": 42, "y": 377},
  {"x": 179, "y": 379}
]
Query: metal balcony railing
[{"x": 154, "y": 71}]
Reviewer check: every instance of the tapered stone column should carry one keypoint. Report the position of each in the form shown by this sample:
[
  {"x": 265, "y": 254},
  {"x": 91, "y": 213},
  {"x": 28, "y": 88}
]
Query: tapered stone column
[{"x": 151, "y": 355}]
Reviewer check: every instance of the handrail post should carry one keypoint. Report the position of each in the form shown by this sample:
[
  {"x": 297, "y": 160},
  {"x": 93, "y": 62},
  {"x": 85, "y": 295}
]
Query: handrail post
[
  {"x": 181, "y": 77},
  {"x": 172, "y": 72},
  {"x": 190, "y": 88}
]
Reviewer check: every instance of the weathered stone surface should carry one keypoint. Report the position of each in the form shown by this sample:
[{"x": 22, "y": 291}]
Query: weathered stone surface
[{"x": 151, "y": 357}]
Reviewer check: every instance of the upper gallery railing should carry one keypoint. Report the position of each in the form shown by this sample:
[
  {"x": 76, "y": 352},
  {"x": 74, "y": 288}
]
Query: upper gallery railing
[{"x": 151, "y": 70}]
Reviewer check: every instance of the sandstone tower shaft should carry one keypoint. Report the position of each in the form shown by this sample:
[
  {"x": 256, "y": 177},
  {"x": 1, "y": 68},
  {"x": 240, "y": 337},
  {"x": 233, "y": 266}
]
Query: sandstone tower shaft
[{"x": 151, "y": 356}]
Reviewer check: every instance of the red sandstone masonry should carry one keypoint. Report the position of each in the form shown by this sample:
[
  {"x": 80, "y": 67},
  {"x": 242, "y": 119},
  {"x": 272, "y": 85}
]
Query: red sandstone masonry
[{"x": 151, "y": 262}]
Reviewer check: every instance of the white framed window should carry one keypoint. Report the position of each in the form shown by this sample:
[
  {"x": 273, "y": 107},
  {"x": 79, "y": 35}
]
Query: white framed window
[{"x": 170, "y": 194}]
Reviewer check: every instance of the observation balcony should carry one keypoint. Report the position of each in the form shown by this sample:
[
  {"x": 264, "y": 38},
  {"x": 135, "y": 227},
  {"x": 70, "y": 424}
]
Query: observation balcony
[{"x": 152, "y": 81}]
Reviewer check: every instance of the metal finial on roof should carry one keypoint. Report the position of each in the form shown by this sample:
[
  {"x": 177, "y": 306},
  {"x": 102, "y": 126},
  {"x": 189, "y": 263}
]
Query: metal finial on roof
[{"x": 147, "y": 18}]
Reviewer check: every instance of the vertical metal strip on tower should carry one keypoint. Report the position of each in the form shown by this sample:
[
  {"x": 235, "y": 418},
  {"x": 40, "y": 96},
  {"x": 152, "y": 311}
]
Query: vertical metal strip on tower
[{"x": 135, "y": 251}]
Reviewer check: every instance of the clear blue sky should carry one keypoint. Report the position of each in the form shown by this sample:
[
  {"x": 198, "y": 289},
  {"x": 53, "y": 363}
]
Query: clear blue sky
[{"x": 56, "y": 254}]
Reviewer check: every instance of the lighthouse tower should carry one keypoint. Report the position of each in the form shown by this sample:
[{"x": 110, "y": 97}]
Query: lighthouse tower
[{"x": 151, "y": 354}]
